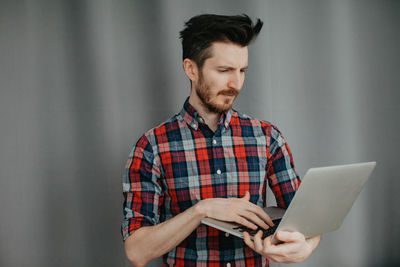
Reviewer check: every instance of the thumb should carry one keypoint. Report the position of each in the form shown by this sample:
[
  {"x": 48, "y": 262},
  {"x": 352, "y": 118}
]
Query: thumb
[
  {"x": 247, "y": 196},
  {"x": 289, "y": 236}
]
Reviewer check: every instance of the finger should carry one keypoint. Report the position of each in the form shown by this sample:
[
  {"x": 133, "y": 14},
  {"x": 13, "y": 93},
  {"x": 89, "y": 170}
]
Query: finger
[
  {"x": 267, "y": 243},
  {"x": 247, "y": 240},
  {"x": 257, "y": 210},
  {"x": 284, "y": 253},
  {"x": 243, "y": 221},
  {"x": 275, "y": 253},
  {"x": 290, "y": 236},
  {"x": 276, "y": 249},
  {"x": 255, "y": 219},
  {"x": 261, "y": 213},
  {"x": 314, "y": 238},
  {"x": 294, "y": 245},
  {"x": 258, "y": 244},
  {"x": 247, "y": 196}
]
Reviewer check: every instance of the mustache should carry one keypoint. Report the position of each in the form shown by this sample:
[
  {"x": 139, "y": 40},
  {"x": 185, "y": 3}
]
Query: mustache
[{"x": 231, "y": 92}]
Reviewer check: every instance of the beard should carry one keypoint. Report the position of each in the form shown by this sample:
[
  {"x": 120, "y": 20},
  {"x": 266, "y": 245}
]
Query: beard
[{"x": 209, "y": 101}]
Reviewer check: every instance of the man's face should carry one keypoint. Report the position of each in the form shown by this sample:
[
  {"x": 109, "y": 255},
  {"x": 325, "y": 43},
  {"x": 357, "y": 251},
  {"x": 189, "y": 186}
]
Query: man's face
[{"x": 222, "y": 76}]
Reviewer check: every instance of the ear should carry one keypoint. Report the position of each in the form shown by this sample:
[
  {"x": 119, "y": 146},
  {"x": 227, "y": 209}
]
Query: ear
[{"x": 191, "y": 69}]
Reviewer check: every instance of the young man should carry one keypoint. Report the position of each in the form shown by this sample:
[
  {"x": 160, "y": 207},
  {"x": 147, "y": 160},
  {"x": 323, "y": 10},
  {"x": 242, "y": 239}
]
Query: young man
[{"x": 210, "y": 161}]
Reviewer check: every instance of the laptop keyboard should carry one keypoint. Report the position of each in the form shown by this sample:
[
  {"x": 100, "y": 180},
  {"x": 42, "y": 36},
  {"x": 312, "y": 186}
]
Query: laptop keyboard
[{"x": 266, "y": 232}]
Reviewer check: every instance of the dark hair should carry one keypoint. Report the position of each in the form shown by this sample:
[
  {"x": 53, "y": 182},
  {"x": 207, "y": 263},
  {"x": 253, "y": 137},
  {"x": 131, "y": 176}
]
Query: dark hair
[{"x": 202, "y": 30}]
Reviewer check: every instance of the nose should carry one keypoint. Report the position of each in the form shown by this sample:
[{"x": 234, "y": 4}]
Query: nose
[{"x": 236, "y": 80}]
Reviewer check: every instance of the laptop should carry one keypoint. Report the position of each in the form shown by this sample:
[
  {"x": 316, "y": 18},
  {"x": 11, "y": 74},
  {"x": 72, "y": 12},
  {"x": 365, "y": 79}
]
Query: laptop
[{"x": 322, "y": 201}]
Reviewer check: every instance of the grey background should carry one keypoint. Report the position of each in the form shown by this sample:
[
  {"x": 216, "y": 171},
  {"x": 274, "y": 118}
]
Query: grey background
[{"x": 80, "y": 81}]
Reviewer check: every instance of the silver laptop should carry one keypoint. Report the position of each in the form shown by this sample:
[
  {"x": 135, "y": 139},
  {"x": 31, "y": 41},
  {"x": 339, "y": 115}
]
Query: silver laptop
[{"x": 320, "y": 204}]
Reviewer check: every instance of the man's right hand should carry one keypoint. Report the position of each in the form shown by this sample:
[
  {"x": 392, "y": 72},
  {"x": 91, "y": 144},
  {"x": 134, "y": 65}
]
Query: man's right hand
[
  {"x": 150, "y": 242},
  {"x": 239, "y": 210}
]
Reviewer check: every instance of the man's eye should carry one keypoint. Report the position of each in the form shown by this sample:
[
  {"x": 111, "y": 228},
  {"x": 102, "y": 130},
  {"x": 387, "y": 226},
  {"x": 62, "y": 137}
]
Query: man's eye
[{"x": 223, "y": 70}]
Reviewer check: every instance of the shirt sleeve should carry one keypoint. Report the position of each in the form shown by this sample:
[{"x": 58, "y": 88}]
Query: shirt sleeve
[
  {"x": 281, "y": 173},
  {"x": 141, "y": 189}
]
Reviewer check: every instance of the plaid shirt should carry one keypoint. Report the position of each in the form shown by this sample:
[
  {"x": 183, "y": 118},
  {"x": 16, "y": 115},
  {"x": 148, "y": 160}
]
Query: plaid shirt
[{"x": 180, "y": 162}]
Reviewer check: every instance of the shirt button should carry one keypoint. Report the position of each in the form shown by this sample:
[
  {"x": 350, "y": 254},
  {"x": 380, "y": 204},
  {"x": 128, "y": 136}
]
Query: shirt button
[
  {"x": 218, "y": 172},
  {"x": 227, "y": 234},
  {"x": 228, "y": 264},
  {"x": 214, "y": 142}
]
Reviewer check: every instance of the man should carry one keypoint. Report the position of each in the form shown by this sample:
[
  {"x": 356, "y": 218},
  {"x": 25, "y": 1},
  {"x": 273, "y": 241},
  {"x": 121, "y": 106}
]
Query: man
[{"x": 210, "y": 161}]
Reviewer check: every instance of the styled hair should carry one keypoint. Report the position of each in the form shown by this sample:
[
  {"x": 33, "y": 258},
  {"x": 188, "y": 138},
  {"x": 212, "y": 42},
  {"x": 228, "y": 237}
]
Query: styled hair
[{"x": 201, "y": 31}]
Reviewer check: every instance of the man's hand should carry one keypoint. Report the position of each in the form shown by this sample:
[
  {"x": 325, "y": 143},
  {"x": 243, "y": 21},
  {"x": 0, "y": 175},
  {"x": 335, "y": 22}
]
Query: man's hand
[
  {"x": 239, "y": 210},
  {"x": 295, "y": 247}
]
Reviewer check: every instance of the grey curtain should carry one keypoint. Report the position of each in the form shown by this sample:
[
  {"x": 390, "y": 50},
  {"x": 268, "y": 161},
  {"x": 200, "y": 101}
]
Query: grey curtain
[{"x": 82, "y": 80}]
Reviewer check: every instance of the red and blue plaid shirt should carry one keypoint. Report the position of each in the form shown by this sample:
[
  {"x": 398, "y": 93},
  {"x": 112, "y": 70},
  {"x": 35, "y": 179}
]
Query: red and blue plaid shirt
[{"x": 180, "y": 162}]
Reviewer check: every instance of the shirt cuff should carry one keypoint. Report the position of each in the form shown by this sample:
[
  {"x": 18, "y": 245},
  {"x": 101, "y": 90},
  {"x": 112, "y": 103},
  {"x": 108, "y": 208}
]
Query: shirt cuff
[{"x": 131, "y": 225}]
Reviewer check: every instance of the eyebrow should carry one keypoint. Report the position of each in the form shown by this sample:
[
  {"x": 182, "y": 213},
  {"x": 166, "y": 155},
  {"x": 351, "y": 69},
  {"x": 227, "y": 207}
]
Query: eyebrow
[{"x": 231, "y": 68}]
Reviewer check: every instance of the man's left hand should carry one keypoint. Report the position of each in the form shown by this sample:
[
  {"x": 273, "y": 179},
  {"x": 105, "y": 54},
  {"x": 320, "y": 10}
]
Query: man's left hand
[{"x": 295, "y": 247}]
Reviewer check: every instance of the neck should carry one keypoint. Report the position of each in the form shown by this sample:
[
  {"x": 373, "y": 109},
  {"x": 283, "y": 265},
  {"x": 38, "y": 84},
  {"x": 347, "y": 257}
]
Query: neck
[{"x": 210, "y": 118}]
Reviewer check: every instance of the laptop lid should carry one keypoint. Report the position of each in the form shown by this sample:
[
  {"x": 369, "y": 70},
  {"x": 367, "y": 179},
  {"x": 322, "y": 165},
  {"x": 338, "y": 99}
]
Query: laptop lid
[
  {"x": 324, "y": 198},
  {"x": 320, "y": 204}
]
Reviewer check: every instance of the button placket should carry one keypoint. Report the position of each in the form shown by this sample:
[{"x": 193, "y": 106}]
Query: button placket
[{"x": 217, "y": 149}]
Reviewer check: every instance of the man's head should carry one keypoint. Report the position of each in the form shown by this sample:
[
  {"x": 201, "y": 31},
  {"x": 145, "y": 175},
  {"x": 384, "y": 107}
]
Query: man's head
[
  {"x": 215, "y": 58},
  {"x": 203, "y": 30}
]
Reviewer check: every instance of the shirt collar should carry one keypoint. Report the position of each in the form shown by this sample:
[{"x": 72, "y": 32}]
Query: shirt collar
[{"x": 190, "y": 115}]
